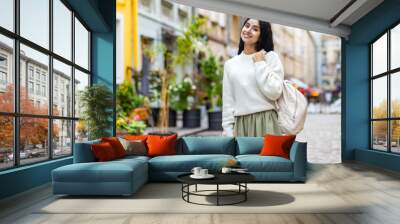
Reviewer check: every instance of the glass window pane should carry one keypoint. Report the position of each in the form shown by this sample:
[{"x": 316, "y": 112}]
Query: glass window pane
[
  {"x": 7, "y": 14},
  {"x": 81, "y": 131},
  {"x": 6, "y": 74},
  {"x": 6, "y": 142},
  {"x": 395, "y": 136},
  {"x": 34, "y": 96},
  {"x": 62, "y": 89},
  {"x": 81, "y": 81},
  {"x": 379, "y": 97},
  {"x": 379, "y": 55},
  {"x": 395, "y": 94},
  {"x": 62, "y": 138},
  {"x": 62, "y": 29},
  {"x": 379, "y": 135},
  {"x": 81, "y": 45},
  {"x": 395, "y": 47},
  {"x": 35, "y": 21},
  {"x": 33, "y": 139}
]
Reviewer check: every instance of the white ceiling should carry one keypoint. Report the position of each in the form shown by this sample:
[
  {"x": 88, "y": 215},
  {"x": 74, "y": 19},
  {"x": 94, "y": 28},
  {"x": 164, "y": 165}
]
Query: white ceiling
[{"x": 314, "y": 15}]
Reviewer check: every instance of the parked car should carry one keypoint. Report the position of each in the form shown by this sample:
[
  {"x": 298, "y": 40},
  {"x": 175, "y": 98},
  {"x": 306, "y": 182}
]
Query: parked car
[{"x": 22, "y": 155}]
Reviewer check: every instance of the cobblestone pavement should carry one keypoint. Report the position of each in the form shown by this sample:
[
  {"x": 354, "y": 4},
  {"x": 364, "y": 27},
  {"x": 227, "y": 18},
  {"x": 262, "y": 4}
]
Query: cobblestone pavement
[{"x": 322, "y": 132}]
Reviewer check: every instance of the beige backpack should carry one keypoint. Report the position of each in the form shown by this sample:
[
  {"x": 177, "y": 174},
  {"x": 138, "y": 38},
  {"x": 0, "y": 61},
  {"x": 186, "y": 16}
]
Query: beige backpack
[{"x": 292, "y": 109}]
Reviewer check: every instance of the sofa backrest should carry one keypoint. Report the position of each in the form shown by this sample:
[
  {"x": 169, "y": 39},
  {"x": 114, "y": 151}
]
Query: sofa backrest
[
  {"x": 83, "y": 152},
  {"x": 249, "y": 145},
  {"x": 206, "y": 145},
  {"x": 190, "y": 146}
]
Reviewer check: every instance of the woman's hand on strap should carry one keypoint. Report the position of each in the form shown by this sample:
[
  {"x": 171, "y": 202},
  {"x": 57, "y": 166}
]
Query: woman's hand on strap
[{"x": 260, "y": 55}]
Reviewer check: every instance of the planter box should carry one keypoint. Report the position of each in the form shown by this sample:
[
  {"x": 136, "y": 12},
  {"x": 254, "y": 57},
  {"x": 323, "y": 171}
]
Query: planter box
[
  {"x": 191, "y": 118},
  {"x": 171, "y": 117},
  {"x": 215, "y": 120}
]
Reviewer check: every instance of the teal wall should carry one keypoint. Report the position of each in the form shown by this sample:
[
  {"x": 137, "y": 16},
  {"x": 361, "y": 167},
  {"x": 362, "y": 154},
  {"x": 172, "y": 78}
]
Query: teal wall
[
  {"x": 356, "y": 101},
  {"x": 99, "y": 16},
  {"x": 103, "y": 68},
  {"x": 24, "y": 178}
]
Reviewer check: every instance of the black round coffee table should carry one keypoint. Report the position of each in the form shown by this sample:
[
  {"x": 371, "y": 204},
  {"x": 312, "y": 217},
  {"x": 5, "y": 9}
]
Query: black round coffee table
[{"x": 238, "y": 179}]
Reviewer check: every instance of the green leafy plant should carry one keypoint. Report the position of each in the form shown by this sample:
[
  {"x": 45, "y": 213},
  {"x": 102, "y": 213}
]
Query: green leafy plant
[
  {"x": 181, "y": 93},
  {"x": 127, "y": 99},
  {"x": 212, "y": 81},
  {"x": 133, "y": 127},
  {"x": 187, "y": 46},
  {"x": 97, "y": 102},
  {"x": 155, "y": 86},
  {"x": 187, "y": 43}
]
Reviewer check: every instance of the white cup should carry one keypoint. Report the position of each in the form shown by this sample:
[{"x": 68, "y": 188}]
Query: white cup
[
  {"x": 203, "y": 172},
  {"x": 196, "y": 171},
  {"x": 226, "y": 170}
]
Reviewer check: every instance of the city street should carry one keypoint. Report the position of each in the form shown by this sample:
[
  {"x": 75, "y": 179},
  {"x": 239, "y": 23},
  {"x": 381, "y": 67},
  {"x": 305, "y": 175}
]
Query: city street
[{"x": 322, "y": 134}]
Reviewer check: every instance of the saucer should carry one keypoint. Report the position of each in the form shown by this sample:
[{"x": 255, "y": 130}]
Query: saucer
[{"x": 208, "y": 176}]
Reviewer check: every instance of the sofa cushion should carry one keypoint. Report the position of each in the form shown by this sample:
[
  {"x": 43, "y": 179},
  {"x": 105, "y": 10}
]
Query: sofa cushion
[
  {"x": 132, "y": 158},
  {"x": 116, "y": 145},
  {"x": 207, "y": 145},
  {"x": 277, "y": 145},
  {"x": 112, "y": 171},
  {"x": 249, "y": 145},
  {"x": 161, "y": 145},
  {"x": 136, "y": 137},
  {"x": 134, "y": 147},
  {"x": 103, "y": 152},
  {"x": 185, "y": 163},
  {"x": 257, "y": 163}
]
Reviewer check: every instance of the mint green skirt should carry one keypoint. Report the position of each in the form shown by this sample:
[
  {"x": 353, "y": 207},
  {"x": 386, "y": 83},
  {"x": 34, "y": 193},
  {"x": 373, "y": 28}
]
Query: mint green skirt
[{"x": 257, "y": 124}]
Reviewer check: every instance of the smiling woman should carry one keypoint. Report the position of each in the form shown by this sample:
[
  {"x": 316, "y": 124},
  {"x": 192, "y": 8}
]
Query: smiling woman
[{"x": 252, "y": 81}]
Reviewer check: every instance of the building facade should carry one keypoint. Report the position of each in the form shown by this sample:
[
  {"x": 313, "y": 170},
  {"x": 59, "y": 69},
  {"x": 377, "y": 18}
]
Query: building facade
[
  {"x": 331, "y": 67},
  {"x": 34, "y": 82}
]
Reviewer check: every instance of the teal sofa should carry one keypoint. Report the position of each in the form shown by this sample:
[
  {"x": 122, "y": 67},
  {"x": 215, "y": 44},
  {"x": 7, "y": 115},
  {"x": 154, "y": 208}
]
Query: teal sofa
[{"x": 125, "y": 176}]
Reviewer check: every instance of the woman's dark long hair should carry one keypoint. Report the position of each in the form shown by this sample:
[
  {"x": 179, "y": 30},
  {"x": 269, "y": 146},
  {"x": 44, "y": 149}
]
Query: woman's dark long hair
[{"x": 265, "y": 40}]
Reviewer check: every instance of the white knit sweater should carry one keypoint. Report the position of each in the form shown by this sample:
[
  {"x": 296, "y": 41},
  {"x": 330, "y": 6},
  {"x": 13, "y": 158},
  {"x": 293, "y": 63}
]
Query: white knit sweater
[{"x": 250, "y": 87}]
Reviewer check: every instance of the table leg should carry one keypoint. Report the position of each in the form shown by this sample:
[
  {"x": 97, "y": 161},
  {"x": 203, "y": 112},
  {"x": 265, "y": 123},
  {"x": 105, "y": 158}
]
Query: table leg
[
  {"x": 217, "y": 194},
  {"x": 182, "y": 189},
  {"x": 245, "y": 193},
  {"x": 188, "y": 190},
  {"x": 196, "y": 188}
]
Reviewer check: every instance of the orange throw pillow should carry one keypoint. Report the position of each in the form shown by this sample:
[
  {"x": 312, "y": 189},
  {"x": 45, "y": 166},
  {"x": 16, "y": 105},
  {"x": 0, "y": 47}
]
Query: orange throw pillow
[
  {"x": 136, "y": 137},
  {"x": 116, "y": 145},
  {"x": 103, "y": 152},
  {"x": 277, "y": 145},
  {"x": 161, "y": 145}
]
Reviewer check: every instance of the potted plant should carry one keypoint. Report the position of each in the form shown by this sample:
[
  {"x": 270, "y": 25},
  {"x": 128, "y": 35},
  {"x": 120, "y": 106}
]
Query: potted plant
[
  {"x": 188, "y": 46},
  {"x": 182, "y": 99},
  {"x": 97, "y": 102},
  {"x": 155, "y": 89},
  {"x": 212, "y": 84}
]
